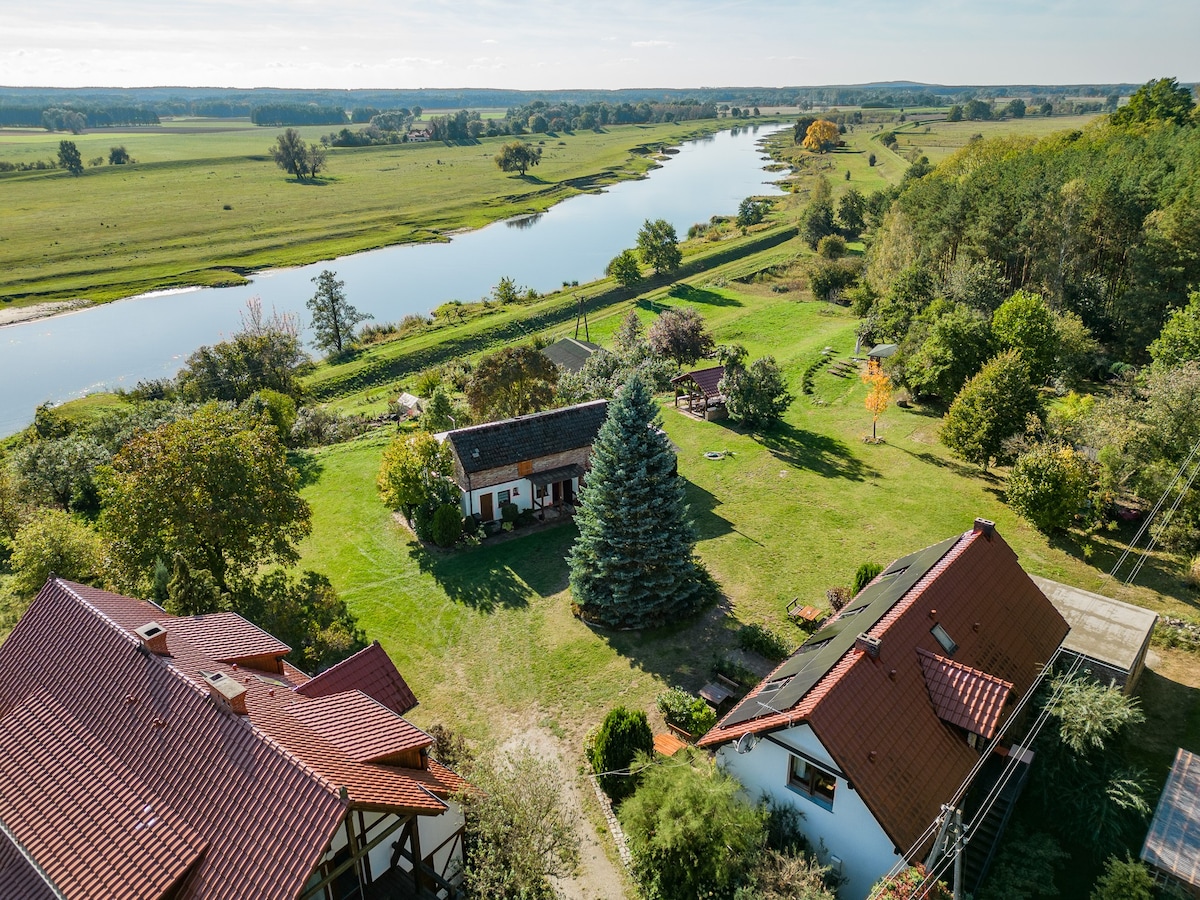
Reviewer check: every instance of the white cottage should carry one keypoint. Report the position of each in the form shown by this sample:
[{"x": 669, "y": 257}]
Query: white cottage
[{"x": 875, "y": 721}]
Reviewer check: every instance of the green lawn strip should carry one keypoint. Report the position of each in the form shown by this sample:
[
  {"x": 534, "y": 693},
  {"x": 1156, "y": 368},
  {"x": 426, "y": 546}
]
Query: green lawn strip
[{"x": 118, "y": 230}]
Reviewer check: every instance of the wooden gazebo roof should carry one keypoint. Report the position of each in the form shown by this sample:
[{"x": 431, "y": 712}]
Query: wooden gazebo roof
[{"x": 705, "y": 380}]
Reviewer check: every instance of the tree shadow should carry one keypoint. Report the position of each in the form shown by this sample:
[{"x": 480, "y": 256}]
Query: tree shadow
[
  {"x": 307, "y": 465},
  {"x": 702, "y": 508},
  {"x": 819, "y": 453},
  {"x": 964, "y": 470},
  {"x": 1102, "y": 550},
  {"x": 501, "y": 576},
  {"x": 530, "y": 179},
  {"x": 1172, "y": 720},
  {"x": 699, "y": 295}
]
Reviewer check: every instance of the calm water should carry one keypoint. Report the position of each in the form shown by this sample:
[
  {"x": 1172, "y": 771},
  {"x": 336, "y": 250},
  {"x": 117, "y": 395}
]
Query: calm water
[{"x": 119, "y": 344}]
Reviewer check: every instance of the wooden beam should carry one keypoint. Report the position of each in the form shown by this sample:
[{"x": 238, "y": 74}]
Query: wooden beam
[{"x": 355, "y": 856}]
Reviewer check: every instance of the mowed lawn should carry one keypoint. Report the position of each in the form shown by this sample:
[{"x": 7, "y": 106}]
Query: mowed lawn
[
  {"x": 487, "y": 635},
  {"x": 201, "y": 206}
]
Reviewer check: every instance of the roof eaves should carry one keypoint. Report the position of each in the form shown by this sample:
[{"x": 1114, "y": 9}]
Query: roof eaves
[{"x": 30, "y": 861}]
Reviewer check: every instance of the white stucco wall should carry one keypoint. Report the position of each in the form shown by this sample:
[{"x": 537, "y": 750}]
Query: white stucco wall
[
  {"x": 523, "y": 499},
  {"x": 433, "y": 831},
  {"x": 849, "y": 831}
]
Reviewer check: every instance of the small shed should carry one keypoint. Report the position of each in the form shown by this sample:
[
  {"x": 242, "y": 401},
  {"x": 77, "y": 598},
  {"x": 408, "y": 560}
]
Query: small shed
[
  {"x": 1172, "y": 848},
  {"x": 409, "y": 406},
  {"x": 570, "y": 354},
  {"x": 1110, "y": 636},
  {"x": 882, "y": 351},
  {"x": 700, "y": 390}
]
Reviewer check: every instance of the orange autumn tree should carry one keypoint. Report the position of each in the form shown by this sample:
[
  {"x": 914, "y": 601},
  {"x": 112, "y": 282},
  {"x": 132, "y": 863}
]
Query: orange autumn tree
[
  {"x": 821, "y": 137},
  {"x": 880, "y": 393}
]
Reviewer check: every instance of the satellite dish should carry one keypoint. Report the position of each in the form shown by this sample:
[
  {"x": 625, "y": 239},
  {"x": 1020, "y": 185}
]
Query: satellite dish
[{"x": 746, "y": 743}]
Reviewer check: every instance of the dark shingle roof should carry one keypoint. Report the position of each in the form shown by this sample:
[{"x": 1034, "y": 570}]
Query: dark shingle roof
[
  {"x": 509, "y": 441},
  {"x": 570, "y": 354}
]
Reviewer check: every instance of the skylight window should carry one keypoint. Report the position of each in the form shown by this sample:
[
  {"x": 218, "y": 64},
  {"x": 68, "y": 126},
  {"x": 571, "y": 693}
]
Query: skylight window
[{"x": 943, "y": 637}]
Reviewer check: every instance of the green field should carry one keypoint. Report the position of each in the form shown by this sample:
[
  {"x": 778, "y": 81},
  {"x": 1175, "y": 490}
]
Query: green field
[
  {"x": 205, "y": 202},
  {"x": 944, "y": 138}
]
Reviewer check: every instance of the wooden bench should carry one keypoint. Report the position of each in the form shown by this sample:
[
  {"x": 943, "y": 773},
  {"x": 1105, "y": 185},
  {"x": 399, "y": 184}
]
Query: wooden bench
[
  {"x": 681, "y": 733},
  {"x": 804, "y": 613},
  {"x": 715, "y": 694}
]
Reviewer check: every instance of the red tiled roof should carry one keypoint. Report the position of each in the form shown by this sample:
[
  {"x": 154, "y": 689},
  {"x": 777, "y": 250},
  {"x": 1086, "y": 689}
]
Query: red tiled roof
[
  {"x": 874, "y": 716},
  {"x": 369, "y": 670},
  {"x": 118, "y": 729},
  {"x": 20, "y": 876},
  {"x": 227, "y": 637},
  {"x": 963, "y": 696},
  {"x": 363, "y": 728}
]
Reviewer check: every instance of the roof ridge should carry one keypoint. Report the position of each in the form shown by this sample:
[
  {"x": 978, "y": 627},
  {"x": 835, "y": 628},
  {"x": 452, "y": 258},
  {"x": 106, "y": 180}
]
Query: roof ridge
[
  {"x": 30, "y": 861},
  {"x": 905, "y": 603},
  {"x": 533, "y": 415}
]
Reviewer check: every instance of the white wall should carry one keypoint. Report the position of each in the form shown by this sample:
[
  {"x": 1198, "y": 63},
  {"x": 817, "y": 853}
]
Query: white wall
[
  {"x": 849, "y": 831},
  {"x": 524, "y": 498},
  {"x": 434, "y": 830}
]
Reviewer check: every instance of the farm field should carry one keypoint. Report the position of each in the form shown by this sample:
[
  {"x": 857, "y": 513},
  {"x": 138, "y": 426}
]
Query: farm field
[
  {"x": 204, "y": 205},
  {"x": 944, "y": 138}
]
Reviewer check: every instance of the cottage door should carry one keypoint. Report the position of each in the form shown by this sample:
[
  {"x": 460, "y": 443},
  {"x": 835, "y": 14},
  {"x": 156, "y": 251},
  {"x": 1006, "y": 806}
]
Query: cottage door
[
  {"x": 557, "y": 493},
  {"x": 485, "y": 507}
]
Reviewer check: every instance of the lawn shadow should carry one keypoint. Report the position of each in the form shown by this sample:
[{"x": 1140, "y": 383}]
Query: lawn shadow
[
  {"x": 308, "y": 467},
  {"x": 1102, "y": 550},
  {"x": 702, "y": 507},
  {"x": 827, "y": 456},
  {"x": 692, "y": 294},
  {"x": 962, "y": 469},
  {"x": 504, "y": 575},
  {"x": 531, "y": 179},
  {"x": 1172, "y": 720}
]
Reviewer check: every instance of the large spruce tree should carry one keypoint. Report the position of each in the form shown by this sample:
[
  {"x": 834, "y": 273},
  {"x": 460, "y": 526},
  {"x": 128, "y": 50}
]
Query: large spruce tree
[{"x": 632, "y": 565}]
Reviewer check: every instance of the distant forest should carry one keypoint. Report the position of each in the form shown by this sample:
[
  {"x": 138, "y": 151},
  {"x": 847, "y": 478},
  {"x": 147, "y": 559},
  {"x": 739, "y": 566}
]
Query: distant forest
[{"x": 99, "y": 107}]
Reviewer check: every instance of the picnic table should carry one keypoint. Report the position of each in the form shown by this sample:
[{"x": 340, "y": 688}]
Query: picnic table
[
  {"x": 803, "y": 613},
  {"x": 668, "y": 744}
]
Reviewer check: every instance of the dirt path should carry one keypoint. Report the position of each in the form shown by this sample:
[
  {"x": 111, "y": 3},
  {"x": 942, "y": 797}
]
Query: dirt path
[{"x": 597, "y": 877}]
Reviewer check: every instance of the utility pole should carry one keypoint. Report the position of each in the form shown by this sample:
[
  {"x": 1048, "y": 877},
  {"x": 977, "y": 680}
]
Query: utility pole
[
  {"x": 959, "y": 846},
  {"x": 581, "y": 316}
]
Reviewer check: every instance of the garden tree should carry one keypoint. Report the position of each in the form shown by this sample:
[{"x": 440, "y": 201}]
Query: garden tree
[
  {"x": 692, "y": 831},
  {"x": 518, "y": 831},
  {"x": 192, "y": 592},
  {"x": 412, "y": 471},
  {"x": 816, "y": 222},
  {"x": 629, "y": 334},
  {"x": 1026, "y": 324},
  {"x": 752, "y": 211},
  {"x": 1025, "y": 867},
  {"x": 956, "y": 346},
  {"x": 438, "y": 414},
  {"x": 69, "y": 158},
  {"x": 214, "y": 487},
  {"x": 247, "y": 363},
  {"x": 305, "y": 612},
  {"x": 1124, "y": 879},
  {"x": 633, "y": 565},
  {"x": 910, "y": 885},
  {"x": 119, "y": 156},
  {"x": 680, "y": 334},
  {"x": 1179, "y": 340},
  {"x": 852, "y": 211},
  {"x": 512, "y": 381},
  {"x": 821, "y": 137},
  {"x": 276, "y": 408},
  {"x": 61, "y": 471},
  {"x": 54, "y": 541},
  {"x": 1085, "y": 792},
  {"x": 333, "y": 318},
  {"x": 756, "y": 396},
  {"x": 622, "y": 736},
  {"x": 659, "y": 246},
  {"x": 1048, "y": 485},
  {"x": 517, "y": 156},
  {"x": 879, "y": 393},
  {"x": 624, "y": 269},
  {"x": 1158, "y": 100},
  {"x": 994, "y": 405},
  {"x": 604, "y": 373},
  {"x": 506, "y": 291}
]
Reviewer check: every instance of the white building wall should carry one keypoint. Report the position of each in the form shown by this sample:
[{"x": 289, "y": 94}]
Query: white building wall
[
  {"x": 849, "y": 831},
  {"x": 523, "y": 498},
  {"x": 436, "y": 831}
]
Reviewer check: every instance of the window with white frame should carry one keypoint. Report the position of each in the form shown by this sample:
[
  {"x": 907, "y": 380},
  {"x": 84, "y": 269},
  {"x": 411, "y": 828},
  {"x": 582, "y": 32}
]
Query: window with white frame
[{"x": 814, "y": 782}]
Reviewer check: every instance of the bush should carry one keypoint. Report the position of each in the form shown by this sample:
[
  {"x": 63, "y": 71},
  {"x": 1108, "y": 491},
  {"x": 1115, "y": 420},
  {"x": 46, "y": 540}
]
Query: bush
[
  {"x": 622, "y": 735},
  {"x": 54, "y": 541},
  {"x": 471, "y": 525},
  {"x": 525, "y": 517},
  {"x": 1048, "y": 485},
  {"x": 686, "y": 711},
  {"x": 446, "y": 526},
  {"x": 757, "y": 639},
  {"x": 509, "y": 513},
  {"x": 832, "y": 246},
  {"x": 865, "y": 575}
]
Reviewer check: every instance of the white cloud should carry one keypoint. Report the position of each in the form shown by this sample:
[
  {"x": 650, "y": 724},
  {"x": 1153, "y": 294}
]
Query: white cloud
[{"x": 652, "y": 44}]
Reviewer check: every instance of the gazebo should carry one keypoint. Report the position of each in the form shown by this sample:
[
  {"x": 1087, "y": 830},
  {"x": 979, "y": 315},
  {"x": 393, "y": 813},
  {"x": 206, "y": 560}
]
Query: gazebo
[{"x": 700, "y": 390}]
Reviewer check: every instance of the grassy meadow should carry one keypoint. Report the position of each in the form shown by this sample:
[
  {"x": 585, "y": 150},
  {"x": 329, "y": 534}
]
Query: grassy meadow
[
  {"x": 205, "y": 202},
  {"x": 937, "y": 140}
]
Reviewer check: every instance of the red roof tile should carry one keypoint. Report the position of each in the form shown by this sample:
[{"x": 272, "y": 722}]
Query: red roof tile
[
  {"x": 115, "y": 730},
  {"x": 363, "y": 728},
  {"x": 226, "y": 637},
  {"x": 963, "y": 696},
  {"x": 369, "y": 670},
  {"x": 875, "y": 717}
]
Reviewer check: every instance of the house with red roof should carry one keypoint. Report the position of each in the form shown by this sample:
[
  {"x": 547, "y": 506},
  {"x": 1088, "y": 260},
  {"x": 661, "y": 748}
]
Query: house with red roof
[
  {"x": 880, "y": 716},
  {"x": 145, "y": 755}
]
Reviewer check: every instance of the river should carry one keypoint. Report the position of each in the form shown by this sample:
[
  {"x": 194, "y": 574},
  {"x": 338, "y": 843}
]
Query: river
[{"x": 118, "y": 344}]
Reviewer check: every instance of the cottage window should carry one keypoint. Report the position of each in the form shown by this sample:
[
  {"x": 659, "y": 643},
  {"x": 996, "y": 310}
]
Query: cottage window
[
  {"x": 812, "y": 781},
  {"x": 541, "y": 490},
  {"x": 503, "y": 497}
]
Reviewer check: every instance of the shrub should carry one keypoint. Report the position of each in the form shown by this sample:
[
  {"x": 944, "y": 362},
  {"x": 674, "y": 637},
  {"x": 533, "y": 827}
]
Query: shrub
[
  {"x": 446, "y": 527},
  {"x": 865, "y": 575},
  {"x": 623, "y": 733},
  {"x": 832, "y": 246},
  {"x": 686, "y": 711},
  {"x": 838, "y": 597},
  {"x": 1048, "y": 485},
  {"x": 1193, "y": 573},
  {"x": 509, "y": 513},
  {"x": 471, "y": 525},
  {"x": 525, "y": 517},
  {"x": 757, "y": 639}
]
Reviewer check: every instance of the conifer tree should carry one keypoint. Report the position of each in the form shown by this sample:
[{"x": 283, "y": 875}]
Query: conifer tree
[{"x": 632, "y": 565}]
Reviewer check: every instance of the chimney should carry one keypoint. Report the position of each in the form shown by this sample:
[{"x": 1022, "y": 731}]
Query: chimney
[
  {"x": 154, "y": 639},
  {"x": 868, "y": 645},
  {"x": 226, "y": 692},
  {"x": 984, "y": 527}
]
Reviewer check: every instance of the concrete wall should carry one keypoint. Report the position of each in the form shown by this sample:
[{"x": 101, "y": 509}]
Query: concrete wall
[{"x": 848, "y": 830}]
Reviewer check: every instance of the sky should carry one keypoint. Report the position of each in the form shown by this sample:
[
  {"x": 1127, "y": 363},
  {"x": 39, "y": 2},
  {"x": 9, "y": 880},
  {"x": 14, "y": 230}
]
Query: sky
[{"x": 594, "y": 43}]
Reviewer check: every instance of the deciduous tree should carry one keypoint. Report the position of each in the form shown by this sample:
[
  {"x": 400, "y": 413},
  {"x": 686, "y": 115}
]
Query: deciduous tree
[
  {"x": 1158, "y": 100},
  {"x": 821, "y": 137},
  {"x": 632, "y": 564},
  {"x": 1179, "y": 340},
  {"x": 624, "y": 269},
  {"x": 411, "y": 469},
  {"x": 659, "y": 246},
  {"x": 512, "y": 381},
  {"x": 680, "y": 334},
  {"x": 992, "y": 406},
  {"x": 1026, "y": 324},
  {"x": 54, "y": 541},
  {"x": 517, "y": 156},
  {"x": 290, "y": 152},
  {"x": 119, "y": 156},
  {"x": 756, "y": 396},
  {"x": 1048, "y": 485},
  {"x": 213, "y": 487},
  {"x": 69, "y": 158},
  {"x": 852, "y": 211},
  {"x": 333, "y": 318},
  {"x": 879, "y": 393}
]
